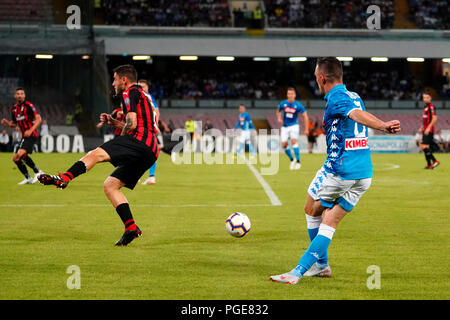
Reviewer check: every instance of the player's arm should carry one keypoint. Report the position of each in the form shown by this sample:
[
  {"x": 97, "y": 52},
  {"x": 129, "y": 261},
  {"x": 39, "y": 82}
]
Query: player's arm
[
  {"x": 11, "y": 123},
  {"x": 279, "y": 119},
  {"x": 432, "y": 123},
  {"x": 130, "y": 123},
  {"x": 369, "y": 120},
  {"x": 306, "y": 122}
]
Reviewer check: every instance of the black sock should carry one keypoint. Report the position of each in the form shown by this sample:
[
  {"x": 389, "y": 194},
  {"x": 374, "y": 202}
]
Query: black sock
[
  {"x": 427, "y": 153},
  {"x": 431, "y": 156},
  {"x": 78, "y": 168},
  {"x": 23, "y": 169},
  {"x": 29, "y": 162},
  {"x": 124, "y": 212}
]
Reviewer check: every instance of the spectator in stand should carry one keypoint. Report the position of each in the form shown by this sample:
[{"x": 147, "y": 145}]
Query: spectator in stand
[
  {"x": 180, "y": 13},
  {"x": 16, "y": 138},
  {"x": 4, "y": 141},
  {"x": 440, "y": 141}
]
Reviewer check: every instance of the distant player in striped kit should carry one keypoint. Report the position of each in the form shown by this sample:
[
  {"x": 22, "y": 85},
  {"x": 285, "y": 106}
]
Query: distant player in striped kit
[
  {"x": 132, "y": 153},
  {"x": 290, "y": 128},
  {"x": 25, "y": 116},
  {"x": 427, "y": 130}
]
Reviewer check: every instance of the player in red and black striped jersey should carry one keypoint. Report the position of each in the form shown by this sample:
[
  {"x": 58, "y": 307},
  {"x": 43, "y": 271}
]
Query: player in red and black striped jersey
[
  {"x": 25, "y": 116},
  {"x": 427, "y": 130},
  {"x": 132, "y": 153}
]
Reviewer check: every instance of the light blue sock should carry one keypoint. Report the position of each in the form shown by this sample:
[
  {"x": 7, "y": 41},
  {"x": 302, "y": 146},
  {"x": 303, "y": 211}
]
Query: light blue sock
[
  {"x": 151, "y": 171},
  {"x": 251, "y": 149},
  {"x": 241, "y": 146},
  {"x": 316, "y": 250},
  {"x": 312, "y": 234},
  {"x": 297, "y": 152},
  {"x": 289, "y": 153}
]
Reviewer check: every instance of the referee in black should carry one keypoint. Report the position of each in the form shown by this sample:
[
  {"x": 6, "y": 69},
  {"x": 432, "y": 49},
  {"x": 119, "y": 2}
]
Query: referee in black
[{"x": 132, "y": 153}]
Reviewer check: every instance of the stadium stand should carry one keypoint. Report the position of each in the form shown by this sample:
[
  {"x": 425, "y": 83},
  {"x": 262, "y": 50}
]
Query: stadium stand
[
  {"x": 430, "y": 14},
  {"x": 167, "y": 13},
  {"x": 25, "y": 11},
  {"x": 317, "y": 14}
]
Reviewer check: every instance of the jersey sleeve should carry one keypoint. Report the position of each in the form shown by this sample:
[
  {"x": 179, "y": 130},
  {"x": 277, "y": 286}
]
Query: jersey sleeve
[
  {"x": 280, "y": 106},
  {"x": 31, "y": 111},
  {"x": 250, "y": 122},
  {"x": 343, "y": 107},
  {"x": 301, "y": 109},
  {"x": 134, "y": 97},
  {"x": 432, "y": 110},
  {"x": 13, "y": 116}
]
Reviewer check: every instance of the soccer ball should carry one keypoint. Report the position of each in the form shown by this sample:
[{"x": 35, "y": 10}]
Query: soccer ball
[{"x": 238, "y": 224}]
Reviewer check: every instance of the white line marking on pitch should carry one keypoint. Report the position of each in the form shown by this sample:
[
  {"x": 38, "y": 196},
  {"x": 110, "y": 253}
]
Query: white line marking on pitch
[
  {"x": 392, "y": 166},
  {"x": 134, "y": 205},
  {"x": 272, "y": 196}
]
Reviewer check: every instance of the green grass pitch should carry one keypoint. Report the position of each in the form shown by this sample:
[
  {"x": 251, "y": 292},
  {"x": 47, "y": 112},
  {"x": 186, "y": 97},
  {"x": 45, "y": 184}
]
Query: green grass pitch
[{"x": 401, "y": 225}]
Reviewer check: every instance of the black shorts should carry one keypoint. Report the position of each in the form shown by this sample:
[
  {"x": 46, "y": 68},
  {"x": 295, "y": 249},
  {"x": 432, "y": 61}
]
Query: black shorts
[
  {"x": 28, "y": 143},
  {"x": 312, "y": 139},
  {"x": 428, "y": 138},
  {"x": 130, "y": 157}
]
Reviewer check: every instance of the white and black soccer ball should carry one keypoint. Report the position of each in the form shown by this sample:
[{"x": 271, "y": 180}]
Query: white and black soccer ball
[{"x": 238, "y": 224}]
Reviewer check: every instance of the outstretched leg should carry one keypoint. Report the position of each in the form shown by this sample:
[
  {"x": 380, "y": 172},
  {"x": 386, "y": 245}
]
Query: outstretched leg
[{"x": 82, "y": 166}]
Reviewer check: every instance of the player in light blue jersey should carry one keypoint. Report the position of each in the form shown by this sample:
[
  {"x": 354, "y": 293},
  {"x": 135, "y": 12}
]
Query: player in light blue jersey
[
  {"x": 290, "y": 128},
  {"x": 246, "y": 125},
  {"x": 151, "y": 172},
  {"x": 346, "y": 173}
]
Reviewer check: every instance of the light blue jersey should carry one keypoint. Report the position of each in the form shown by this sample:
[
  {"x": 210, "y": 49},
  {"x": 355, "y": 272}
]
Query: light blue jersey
[
  {"x": 244, "y": 122},
  {"x": 152, "y": 99},
  {"x": 290, "y": 112},
  {"x": 348, "y": 153}
]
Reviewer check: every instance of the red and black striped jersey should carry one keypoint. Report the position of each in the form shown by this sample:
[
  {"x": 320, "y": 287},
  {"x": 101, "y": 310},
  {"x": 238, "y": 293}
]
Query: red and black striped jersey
[
  {"x": 120, "y": 116},
  {"x": 428, "y": 112},
  {"x": 24, "y": 115},
  {"x": 135, "y": 100}
]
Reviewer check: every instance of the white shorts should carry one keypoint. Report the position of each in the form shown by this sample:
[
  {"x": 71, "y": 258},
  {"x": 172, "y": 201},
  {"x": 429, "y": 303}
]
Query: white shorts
[
  {"x": 244, "y": 136},
  {"x": 290, "y": 132},
  {"x": 331, "y": 189}
]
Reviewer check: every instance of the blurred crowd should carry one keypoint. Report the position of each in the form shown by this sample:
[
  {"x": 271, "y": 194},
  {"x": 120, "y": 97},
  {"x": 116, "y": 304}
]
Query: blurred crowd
[
  {"x": 194, "y": 85},
  {"x": 387, "y": 85},
  {"x": 213, "y": 13},
  {"x": 326, "y": 13},
  {"x": 426, "y": 14},
  {"x": 380, "y": 85},
  {"x": 430, "y": 14}
]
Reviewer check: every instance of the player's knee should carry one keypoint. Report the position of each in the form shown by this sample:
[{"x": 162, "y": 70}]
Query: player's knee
[{"x": 108, "y": 187}]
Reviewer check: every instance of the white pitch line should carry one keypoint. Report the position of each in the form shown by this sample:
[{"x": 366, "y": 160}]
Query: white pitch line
[
  {"x": 272, "y": 196},
  {"x": 18, "y": 205}
]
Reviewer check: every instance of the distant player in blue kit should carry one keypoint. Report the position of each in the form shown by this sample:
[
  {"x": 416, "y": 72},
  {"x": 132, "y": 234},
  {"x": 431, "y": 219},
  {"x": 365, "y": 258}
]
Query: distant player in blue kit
[
  {"x": 151, "y": 172},
  {"x": 346, "y": 173},
  {"x": 246, "y": 125},
  {"x": 290, "y": 128}
]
